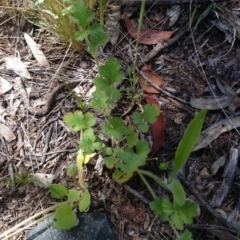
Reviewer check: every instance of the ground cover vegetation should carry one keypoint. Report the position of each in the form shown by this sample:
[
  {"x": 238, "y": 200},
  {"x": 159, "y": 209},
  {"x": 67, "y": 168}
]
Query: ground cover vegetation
[{"x": 117, "y": 139}]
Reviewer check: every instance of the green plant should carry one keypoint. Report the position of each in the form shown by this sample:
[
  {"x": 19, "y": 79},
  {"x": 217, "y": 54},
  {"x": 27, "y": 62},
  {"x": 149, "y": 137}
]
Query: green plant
[{"x": 126, "y": 153}]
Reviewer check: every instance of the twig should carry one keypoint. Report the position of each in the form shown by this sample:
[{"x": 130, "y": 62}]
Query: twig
[{"x": 204, "y": 203}]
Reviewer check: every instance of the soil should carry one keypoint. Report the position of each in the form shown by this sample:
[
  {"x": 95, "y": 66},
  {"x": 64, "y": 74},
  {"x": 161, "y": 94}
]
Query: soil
[{"x": 204, "y": 62}]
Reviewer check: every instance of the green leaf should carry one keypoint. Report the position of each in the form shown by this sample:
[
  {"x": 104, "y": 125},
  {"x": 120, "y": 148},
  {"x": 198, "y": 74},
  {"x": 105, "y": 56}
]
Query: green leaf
[
  {"x": 107, "y": 151},
  {"x": 89, "y": 142},
  {"x": 155, "y": 178},
  {"x": 156, "y": 206},
  {"x": 114, "y": 127},
  {"x": 64, "y": 217},
  {"x": 95, "y": 28},
  {"x": 81, "y": 35},
  {"x": 111, "y": 70},
  {"x": 110, "y": 162},
  {"x": 96, "y": 40},
  {"x": 187, "y": 211},
  {"x": 187, "y": 143},
  {"x": 101, "y": 84},
  {"x": 140, "y": 122},
  {"x": 99, "y": 100},
  {"x": 178, "y": 192},
  {"x": 73, "y": 195},
  {"x": 58, "y": 191},
  {"x": 167, "y": 206},
  {"x": 142, "y": 149},
  {"x": 176, "y": 220},
  {"x": 81, "y": 15},
  {"x": 131, "y": 161},
  {"x": 121, "y": 177},
  {"x": 78, "y": 121},
  {"x": 151, "y": 112},
  {"x": 72, "y": 170},
  {"x": 89, "y": 119},
  {"x": 113, "y": 95},
  {"x": 84, "y": 203},
  {"x": 186, "y": 235},
  {"x": 132, "y": 139}
]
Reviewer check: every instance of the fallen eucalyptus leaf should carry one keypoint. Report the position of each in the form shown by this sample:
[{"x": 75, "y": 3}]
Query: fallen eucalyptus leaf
[
  {"x": 212, "y": 103},
  {"x": 212, "y": 133},
  {"x": 37, "y": 53}
]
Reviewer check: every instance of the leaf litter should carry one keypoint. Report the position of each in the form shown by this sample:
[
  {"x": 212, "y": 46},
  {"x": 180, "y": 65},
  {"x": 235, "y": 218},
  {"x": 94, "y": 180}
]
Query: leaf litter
[{"x": 179, "y": 69}]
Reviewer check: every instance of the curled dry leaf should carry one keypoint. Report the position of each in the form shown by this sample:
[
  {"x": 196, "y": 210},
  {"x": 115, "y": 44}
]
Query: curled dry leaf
[
  {"x": 153, "y": 77},
  {"x": 157, "y": 129},
  {"x": 234, "y": 105},
  {"x": 212, "y": 103},
  {"x": 147, "y": 36},
  {"x": 173, "y": 14}
]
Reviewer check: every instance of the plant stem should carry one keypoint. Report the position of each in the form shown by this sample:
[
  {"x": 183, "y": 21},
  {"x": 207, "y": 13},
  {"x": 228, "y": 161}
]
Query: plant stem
[
  {"x": 147, "y": 184},
  {"x": 139, "y": 29},
  {"x": 101, "y": 10}
]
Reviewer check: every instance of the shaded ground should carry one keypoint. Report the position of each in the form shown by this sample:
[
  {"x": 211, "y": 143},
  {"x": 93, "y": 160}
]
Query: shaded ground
[{"x": 203, "y": 62}]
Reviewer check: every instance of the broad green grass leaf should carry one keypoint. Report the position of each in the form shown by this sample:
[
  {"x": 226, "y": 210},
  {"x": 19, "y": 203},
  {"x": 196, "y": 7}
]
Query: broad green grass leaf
[
  {"x": 178, "y": 192},
  {"x": 84, "y": 203},
  {"x": 114, "y": 127},
  {"x": 110, "y": 162},
  {"x": 89, "y": 142},
  {"x": 58, "y": 191},
  {"x": 64, "y": 217},
  {"x": 72, "y": 170},
  {"x": 187, "y": 143},
  {"x": 73, "y": 195},
  {"x": 155, "y": 178},
  {"x": 186, "y": 235},
  {"x": 111, "y": 70},
  {"x": 150, "y": 112}
]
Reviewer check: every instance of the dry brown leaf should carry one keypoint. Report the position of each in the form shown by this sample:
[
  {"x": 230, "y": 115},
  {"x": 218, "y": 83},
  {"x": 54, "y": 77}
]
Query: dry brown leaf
[
  {"x": 234, "y": 105},
  {"x": 147, "y": 36},
  {"x": 153, "y": 77}
]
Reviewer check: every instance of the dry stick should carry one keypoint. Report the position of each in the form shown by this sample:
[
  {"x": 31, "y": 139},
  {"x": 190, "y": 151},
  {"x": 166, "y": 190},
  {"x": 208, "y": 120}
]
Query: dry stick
[
  {"x": 137, "y": 3},
  {"x": 47, "y": 140},
  {"x": 204, "y": 203}
]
